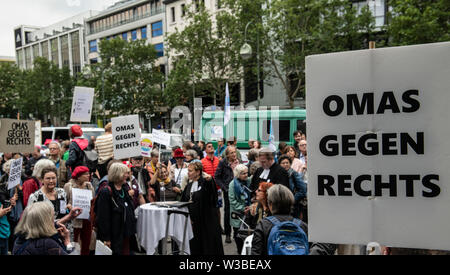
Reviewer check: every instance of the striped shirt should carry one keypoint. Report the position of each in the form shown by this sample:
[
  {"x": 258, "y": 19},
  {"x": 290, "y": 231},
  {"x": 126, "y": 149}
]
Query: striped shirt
[{"x": 104, "y": 147}]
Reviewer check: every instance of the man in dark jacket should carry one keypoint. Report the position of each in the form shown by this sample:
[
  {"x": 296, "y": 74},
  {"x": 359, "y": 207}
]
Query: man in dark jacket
[
  {"x": 223, "y": 176},
  {"x": 270, "y": 171},
  {"x": 36, "y": 156}
]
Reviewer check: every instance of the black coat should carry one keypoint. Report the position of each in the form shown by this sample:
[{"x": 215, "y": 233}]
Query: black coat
[
  {"x": 30, "y": 165},
  {"x": 224, "y": 175},
  {"x": 205, "y": 219},
  {"x": 277, "y": 175},
  {"x": 76, "y": 156},
  {"x": 115, "y": 217},
  {"x": 42, "y": 246}
]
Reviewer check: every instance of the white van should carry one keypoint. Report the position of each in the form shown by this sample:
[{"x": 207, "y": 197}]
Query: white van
[{"x": 62, "y": 133}]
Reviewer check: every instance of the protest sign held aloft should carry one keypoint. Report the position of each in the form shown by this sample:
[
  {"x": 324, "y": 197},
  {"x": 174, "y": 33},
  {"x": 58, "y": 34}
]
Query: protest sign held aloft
[
  {"x": 17, "y": 135},
  {"x": 378, "y": 146},
  {"x": 15, "y": 173},
  {"x": 83, "y": 98},
  {"x": 126, "y": 136}
]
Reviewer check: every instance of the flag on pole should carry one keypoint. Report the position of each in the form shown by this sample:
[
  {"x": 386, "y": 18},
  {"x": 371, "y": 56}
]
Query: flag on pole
[
  {"x": 227, "y": 113},
  {"x": 272, "y": 138}
]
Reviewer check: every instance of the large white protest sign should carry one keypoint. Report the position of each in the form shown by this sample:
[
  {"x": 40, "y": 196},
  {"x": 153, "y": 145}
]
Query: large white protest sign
[
  {"x": 379, "y": 147},
  {"x": 126, "y": 136},
  {"x": 38, "y": 133},
  {"x": 161, "y": 137},
  {"x": 15, "y": 173},
  {"x": 83, "y": 98},
  {"x": 17, "y": 135},
  {"x": 82, "y": 198}
]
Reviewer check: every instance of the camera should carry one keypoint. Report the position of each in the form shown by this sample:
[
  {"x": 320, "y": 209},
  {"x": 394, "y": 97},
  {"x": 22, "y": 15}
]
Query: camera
[{"x": 6, "y": 203}]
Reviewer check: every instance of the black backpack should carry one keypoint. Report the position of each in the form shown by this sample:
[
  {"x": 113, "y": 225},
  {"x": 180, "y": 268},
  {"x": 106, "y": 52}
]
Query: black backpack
[{"x": 90, "y": 160}]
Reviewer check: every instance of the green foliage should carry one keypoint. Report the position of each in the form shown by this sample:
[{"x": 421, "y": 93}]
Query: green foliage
[
  {"x": 128, "y": 79},
  {"x": 418, "y": 21},
  {"x": 204, "y": 52},
  {"x": 10, "y": 76}
]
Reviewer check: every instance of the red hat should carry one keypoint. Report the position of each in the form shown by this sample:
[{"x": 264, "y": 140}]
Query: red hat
[
  {"x": 76, "y": 131},
  {"x": 80, "y": 170},
  {"x": 178, "y": 154}
]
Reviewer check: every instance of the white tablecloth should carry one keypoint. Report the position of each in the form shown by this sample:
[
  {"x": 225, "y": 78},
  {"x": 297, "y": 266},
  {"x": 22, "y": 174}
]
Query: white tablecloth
[{"x": 151, "y": 227}]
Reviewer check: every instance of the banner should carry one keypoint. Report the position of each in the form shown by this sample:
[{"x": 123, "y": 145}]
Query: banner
[
  {"x": 15, "y": 173},
  {"x": 378, "y": 146},
  {"x": 161, "y": 137},
  {"x": 82, "y": 198},
  {"x": 17, "y": 136},
  {"x": 126, "y": 136},
  {"x": 83, "y": 98}
]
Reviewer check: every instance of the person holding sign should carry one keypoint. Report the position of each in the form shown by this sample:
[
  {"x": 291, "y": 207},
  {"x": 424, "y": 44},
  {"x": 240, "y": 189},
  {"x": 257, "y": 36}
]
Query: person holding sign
[
  {"x": 50, "y": 193},
  {"x": 82, "y": 227}
]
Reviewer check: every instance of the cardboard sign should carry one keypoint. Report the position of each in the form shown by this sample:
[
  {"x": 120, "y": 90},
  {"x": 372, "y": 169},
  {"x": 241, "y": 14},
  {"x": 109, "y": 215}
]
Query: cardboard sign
[
  {"x": 82, "y": 198},
  {"x": 83, "y": 98},
  {"x": 17, "y": 136},
  {"x": 15, "y": 173},
  {"x": 161, "y": 137},
  {"x": 378, "y": 146},
  {"x": 126, "y": 136}
]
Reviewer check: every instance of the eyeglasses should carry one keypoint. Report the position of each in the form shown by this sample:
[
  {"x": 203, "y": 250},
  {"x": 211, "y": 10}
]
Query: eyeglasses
[
  {"x": 302, "y": 144},
  {"x": 53, "y": 148}
]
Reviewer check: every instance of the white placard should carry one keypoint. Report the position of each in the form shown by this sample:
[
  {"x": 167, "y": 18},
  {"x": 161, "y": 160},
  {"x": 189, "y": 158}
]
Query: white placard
[
  {"x": 126, "y": 136},
  {"x": 15, "y": 173},
  {"x": 216, "y": 132},
  {"x": 102, "y": 249},
  {"x": 82, "y": 198},
  {"x": 161, "y": 137},
  {"x": 83, "y": 98},
  {"x": 378, "y": 146},
  {"x": 38, "y": 133}
]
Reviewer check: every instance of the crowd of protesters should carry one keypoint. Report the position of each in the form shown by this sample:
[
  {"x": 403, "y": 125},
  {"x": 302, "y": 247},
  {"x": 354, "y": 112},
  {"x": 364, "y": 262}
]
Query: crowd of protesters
[{"x": 37, "y": 216}]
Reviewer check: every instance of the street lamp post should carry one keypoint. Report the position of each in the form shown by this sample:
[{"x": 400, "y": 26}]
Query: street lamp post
[{"x": 246, "y": 52}]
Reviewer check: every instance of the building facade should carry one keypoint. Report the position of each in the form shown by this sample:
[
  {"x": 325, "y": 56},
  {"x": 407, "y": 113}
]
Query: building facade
[
  {"x": 129, "y": 20},
  {"x": 7, "y": 59},
  {"x": 62, "y": 43}
]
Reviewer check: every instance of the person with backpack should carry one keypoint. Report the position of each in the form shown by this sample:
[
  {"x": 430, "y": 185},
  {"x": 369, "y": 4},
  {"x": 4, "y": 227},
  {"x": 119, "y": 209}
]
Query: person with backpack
[
  {"x": 82, "y": 228},
  {"x": 76, "y": 148},
  {"x": 280, "y": 234},
  {"x": 113, "y": 211}
]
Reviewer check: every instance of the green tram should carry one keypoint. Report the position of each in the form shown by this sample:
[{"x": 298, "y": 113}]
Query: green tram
[{"x": 253, "y": 124}]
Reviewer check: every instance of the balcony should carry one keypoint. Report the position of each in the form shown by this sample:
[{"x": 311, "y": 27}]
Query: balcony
[{"x": 135, "y": 18}]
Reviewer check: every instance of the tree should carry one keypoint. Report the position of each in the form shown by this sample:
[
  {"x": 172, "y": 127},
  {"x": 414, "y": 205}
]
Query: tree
[
  {"x": 418, "y": 22},
  {"x": 205, "y": 52},
  {"x": 45, "y": 92},
  {"x": 128, "y": 79},
  {"x": 10, "y": 76},
  {"x": 290, "y": 30}
]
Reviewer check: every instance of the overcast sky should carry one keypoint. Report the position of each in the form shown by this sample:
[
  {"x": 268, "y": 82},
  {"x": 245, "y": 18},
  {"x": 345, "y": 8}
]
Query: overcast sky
[{"x": 39, "y": 13}]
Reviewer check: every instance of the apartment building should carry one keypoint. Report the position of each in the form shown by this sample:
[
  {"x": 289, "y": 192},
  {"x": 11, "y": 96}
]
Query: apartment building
[{"x": 61, "y": 43}]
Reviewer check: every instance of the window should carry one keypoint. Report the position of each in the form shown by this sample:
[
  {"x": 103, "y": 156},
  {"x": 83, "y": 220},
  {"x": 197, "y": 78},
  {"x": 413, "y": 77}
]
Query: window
[
  {"x": 125, "y": 36},
  {"x": 218, "y": 4},
  {"x": 157, "y": 29},
  {"x": 93, "y": 61},
  {"x": 183, "y": 10},
  {"x": 144, "y": 33},
  {"x": 173, "y": 14},
  {"x": 376, "y": 7},
  {"x": 134, "y": 35},
  {"x": 284, "y": 130},
  {"x": 93, "y": 46},
  {"x": 159, "y": 49}
]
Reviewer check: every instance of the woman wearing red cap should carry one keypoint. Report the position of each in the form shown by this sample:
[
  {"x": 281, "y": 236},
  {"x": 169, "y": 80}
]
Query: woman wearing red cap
[{"x": 80, "y": 180}]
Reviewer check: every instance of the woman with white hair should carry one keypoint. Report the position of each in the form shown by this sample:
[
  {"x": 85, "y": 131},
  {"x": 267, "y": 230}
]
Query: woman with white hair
[
  {"x": 33, "y": 183},
  {"x": 239, "y": 195},
  {"x": 37, "y": 233},
  {"x": 115, "y": 219}
]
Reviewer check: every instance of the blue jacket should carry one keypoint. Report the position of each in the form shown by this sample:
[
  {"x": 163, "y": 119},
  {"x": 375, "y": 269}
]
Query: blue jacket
[{"x": 297, "y": 185}]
